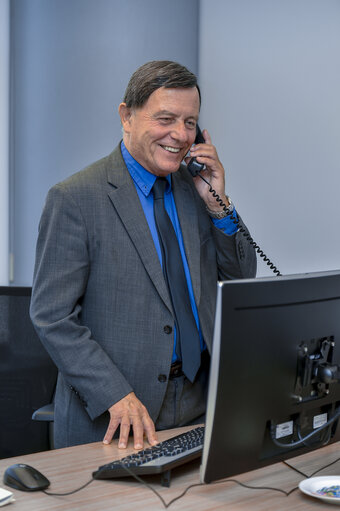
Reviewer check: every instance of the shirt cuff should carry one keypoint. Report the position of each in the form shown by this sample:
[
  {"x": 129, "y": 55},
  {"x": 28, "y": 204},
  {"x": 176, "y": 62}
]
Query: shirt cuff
[{"x": 227, "y": 224}]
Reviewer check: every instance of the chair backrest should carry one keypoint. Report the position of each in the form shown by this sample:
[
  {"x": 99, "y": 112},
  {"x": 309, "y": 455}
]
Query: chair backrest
[{"x": 27, "y": 377}]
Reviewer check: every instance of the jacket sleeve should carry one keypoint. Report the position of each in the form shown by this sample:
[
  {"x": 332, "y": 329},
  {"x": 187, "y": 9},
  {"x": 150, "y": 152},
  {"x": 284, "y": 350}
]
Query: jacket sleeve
[
  {"x": 60, "y": 278},
  {"x": 236, "y": 257}
]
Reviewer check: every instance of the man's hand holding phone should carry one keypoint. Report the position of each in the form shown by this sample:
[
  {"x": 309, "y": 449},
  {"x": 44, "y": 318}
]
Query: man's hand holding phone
[{"x": 213, "y": 171}]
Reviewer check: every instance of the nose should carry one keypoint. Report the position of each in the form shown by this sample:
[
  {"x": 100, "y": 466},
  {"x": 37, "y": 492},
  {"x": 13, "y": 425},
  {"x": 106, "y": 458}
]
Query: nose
[{"x": 180, "y": 132}]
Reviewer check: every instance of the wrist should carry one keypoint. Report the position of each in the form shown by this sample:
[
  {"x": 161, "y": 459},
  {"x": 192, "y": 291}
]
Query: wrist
[
  {"x": 218, "y": 211},
  {"x": 213, "y": 203}
]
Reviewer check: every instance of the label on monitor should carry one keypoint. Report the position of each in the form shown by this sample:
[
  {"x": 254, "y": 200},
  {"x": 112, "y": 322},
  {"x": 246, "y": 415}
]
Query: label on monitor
[
  {"x": 319, "y": 420},
  {"x": 284, "y": 429}
]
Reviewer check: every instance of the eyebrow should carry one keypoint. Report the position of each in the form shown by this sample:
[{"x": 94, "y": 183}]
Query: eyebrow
[{"x": 167, "y": 112}]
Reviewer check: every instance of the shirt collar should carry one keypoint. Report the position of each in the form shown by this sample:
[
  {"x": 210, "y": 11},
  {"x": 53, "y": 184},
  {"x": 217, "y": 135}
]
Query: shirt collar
[{"x": 142, "y": 177}]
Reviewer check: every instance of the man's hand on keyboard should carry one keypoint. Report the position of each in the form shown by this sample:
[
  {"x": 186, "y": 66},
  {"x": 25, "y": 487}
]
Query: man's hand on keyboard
[
  {"x": 157, "y": 459},
  {"x": 128, "y": 412}
]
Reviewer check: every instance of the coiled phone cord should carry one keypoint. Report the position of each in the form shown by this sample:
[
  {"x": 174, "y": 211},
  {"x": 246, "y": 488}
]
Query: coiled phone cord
[{"x": 242, "y": 229}]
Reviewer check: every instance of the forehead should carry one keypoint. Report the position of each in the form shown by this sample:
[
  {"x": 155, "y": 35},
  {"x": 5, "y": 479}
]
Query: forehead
[{"x": 179, "y": 101}]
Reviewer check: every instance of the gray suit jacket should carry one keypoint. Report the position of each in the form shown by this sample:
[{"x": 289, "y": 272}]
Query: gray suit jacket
[{"x": 100, "y": 303}]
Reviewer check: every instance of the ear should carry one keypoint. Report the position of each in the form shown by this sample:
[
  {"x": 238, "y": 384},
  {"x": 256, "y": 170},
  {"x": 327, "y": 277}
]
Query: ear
[{"x": 125, "y": 116}]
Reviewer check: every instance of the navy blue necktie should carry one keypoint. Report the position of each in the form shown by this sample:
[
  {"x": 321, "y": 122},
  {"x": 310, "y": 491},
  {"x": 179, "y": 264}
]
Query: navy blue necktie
[{"x": 187, "y": 340}]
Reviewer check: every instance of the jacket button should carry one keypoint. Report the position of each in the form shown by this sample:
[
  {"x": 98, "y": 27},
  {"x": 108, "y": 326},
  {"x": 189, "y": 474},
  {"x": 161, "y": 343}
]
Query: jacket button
[
  {"x": 167, "y": 329},
  {"x": 162, "y": 378}
]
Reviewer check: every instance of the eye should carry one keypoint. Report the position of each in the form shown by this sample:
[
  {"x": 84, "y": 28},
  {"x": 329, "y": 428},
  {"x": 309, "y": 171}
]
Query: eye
[
  {"x": 165, "y": 120},
  {"x": 191, "y": 124}
]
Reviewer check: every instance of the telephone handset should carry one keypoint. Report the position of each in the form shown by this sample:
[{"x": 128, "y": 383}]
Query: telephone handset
[{"x": 195, "y": 168}]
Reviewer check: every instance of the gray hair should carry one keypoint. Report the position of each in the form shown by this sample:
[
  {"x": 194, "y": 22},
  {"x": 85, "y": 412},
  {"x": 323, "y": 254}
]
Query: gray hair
[{"x": 154, "y": 75}]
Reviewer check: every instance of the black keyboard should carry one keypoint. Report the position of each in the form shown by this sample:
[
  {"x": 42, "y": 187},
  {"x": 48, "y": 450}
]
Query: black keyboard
[{"x": 157, "y": 459}]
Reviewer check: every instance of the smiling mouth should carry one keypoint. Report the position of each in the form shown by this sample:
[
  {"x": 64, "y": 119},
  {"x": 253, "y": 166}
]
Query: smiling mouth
[{"x": 171, "y": 149}]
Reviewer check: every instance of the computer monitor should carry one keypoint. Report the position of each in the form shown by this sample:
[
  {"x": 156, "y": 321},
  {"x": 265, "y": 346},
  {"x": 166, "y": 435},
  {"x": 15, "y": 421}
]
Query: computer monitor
[{"x": 274, "y": 377}]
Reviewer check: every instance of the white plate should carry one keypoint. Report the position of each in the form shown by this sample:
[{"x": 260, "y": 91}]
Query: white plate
[
  {"x": 6, "y": 497},
  {"x": 315, "y": 485}
]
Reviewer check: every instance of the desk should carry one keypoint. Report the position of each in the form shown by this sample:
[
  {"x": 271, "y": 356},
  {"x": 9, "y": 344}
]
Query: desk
[{"x": 71, "y": 467}]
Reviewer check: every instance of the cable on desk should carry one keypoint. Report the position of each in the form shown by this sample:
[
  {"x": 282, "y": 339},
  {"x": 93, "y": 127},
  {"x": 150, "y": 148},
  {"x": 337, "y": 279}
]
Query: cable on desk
[
  {"x": 165, "y": 504},
  {"x": 69, "y": 492},
  {"x": 315, "y": 472},
  {"x": 168, "y": 504},
  {"x": 247, "y": 486}
]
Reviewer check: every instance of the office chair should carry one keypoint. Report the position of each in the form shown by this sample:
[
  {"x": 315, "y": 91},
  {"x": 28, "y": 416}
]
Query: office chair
[
  {"x": 27, "y": 377},
  {"x": 46, "y": 414}
]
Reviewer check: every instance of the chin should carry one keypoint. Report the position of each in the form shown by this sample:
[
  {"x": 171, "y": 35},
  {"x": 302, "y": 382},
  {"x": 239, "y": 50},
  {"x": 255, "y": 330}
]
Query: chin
[
  {"x": 168, "y": 168},
  {"x": 165, "y": 172}
]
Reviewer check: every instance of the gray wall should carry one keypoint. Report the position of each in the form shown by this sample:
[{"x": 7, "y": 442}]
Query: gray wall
[
  {"x": 71, "y": 60},
  {"x": 270, "y": 77},
  {"x": 4, "y": 138}
]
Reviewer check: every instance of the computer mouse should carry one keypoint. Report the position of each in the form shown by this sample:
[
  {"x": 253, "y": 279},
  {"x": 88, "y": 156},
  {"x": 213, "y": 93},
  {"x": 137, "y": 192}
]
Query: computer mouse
[{"x": 25, "y": 478}]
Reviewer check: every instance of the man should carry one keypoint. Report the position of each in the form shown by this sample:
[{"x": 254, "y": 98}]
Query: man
[{"x": 103, "y": 300}]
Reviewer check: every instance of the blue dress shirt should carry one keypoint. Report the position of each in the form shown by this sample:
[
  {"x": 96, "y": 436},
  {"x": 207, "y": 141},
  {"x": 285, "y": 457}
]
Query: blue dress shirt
[{"x": 144, "y": 181}]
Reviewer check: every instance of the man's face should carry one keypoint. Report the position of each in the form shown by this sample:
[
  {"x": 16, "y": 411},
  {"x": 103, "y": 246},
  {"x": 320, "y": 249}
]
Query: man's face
[{"x": 159, "y": 134}]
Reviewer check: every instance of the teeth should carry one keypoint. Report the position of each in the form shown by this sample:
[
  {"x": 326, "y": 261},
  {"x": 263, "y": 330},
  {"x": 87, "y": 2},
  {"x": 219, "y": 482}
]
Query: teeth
[{"x": 171, "y": 149}]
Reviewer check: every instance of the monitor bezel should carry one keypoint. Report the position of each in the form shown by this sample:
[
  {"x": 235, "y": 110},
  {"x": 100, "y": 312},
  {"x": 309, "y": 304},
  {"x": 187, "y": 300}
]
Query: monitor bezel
[{"x": 307, "y": 280}]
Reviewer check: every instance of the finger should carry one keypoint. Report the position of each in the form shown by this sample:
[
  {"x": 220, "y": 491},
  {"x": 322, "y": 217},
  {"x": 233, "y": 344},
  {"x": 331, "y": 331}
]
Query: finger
[
  {"x": 124, "y": 433},
  {"x": 206, "y": 136},
  {"x": 204, "y": 150},
  {"x": 138, "y": 431},
  {"x": 152, "y": 437},
  {"x": 111, "y": 429},
  {"x": 209, "y": 162},
  {"x": 150, "y": 430}
]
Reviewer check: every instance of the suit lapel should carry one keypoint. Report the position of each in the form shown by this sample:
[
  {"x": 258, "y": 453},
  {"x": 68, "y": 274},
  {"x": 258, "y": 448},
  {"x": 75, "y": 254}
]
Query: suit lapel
[{"x": 124, "y": 197}]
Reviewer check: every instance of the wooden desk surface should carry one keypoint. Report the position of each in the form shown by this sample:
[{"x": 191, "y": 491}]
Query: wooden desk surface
[{"x": 69, "y": 468}]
